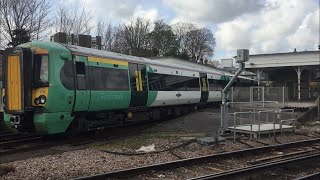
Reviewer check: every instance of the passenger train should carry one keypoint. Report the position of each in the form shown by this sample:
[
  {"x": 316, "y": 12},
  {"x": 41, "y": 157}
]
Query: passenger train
[{"x": 52, "y": 88}]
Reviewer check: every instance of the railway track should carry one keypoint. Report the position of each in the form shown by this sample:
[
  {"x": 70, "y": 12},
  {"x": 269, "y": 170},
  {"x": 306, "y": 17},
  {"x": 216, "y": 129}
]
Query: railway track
[
  {"x": 209, "y": 167},
  {"x": 14, "y": 143},
  {"x": 314, "y": 176}
]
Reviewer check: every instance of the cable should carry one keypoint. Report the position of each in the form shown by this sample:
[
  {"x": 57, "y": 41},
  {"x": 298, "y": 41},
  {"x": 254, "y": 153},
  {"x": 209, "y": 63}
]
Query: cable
[{"x": 153, "y": 152}]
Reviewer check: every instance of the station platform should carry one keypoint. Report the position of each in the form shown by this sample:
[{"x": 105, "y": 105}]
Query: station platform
[{"x": 264, "y": 129}]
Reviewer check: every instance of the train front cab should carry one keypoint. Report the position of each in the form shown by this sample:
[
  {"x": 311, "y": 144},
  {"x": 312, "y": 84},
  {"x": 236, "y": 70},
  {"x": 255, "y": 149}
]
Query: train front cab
[
  {"x": 26, "y": 87},
  {"x": 25, "y": 77}
]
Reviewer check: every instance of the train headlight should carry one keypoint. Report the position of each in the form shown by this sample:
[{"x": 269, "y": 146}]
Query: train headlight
[
  {"x": 42, "y": 99},
  {"x": 37, "y": 101}
]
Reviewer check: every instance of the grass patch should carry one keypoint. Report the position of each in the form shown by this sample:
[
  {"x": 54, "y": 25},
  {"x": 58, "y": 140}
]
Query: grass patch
[{"x": 4, "y": 169}]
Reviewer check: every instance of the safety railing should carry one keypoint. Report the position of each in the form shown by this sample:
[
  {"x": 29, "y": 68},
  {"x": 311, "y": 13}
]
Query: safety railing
[
  {"x": 257, "y": 119},
  {"x": 234, "y": 123},
  {"x": 267, "y": 120},
  {"x": 248, "y": 106},
  {"x": 291, "y": 119}
]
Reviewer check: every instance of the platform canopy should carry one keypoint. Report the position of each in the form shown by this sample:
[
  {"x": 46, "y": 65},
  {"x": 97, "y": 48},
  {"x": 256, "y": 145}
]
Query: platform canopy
[{"x": 298, "y": 71}]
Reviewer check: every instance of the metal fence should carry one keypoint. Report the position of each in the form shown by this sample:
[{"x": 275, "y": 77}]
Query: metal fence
[{"x": 260, "y": 94}]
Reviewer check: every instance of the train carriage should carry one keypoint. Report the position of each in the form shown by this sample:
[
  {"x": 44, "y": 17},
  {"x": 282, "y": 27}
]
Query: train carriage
[{"x": 50, "y": 88}]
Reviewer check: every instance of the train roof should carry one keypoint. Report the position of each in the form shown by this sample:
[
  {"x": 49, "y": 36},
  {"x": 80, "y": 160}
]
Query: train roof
[
  {"x": 113, "y": 55},
  {"x": 194, "y": 65},
  {"x": 165, "y": 61}
]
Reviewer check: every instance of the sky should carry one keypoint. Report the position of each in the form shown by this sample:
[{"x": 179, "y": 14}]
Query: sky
[{"x": 262, "y": 26}]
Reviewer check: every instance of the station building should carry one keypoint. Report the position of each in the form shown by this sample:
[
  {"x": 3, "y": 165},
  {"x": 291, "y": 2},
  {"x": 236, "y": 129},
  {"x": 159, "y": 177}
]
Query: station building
[{"x": 298, "y": 72}]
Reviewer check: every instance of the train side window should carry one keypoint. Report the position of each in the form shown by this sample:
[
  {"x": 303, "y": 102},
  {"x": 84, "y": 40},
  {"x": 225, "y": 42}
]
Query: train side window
[
  {"x": 80, "y": 68},
  {"x": 81, "y": 75},
  {"x": 66, "y": 75}
]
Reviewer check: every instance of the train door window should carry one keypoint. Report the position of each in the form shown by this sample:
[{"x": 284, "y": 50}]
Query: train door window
[
  {"x": 204, "y": 84},
  {"x": 81, "y": 75}
]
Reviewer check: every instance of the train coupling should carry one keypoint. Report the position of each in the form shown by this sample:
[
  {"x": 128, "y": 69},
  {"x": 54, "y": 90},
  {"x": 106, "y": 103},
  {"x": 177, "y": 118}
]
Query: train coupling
[{"x": 15, "y": 121}]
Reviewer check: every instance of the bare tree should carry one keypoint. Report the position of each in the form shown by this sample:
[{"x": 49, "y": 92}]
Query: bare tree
[
  {"x": 39, "y": 21},
  {"x": 31, "y": 15},
  {"x": 100, "y": 28},
  {"x": 111, "y": 36},
  {"x": 73, "y": 21},
  {"x": 1, "y": 26},
  {"x": 119, "y": 43},
  {"x": 200, "y": 43},
  {"x": 180, "y": 30},
  {"x": 136, "y": 35}
]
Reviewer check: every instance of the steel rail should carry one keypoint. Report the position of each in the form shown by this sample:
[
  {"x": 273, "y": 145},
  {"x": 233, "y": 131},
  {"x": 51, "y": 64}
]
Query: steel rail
[
  {"x": 248, "y": 169},
  {"x": 15, "y": 137},
  {"x": 197, "y": 160},
  {"x": 315, "y": 176},
  {"x": 21, "y": 140}
]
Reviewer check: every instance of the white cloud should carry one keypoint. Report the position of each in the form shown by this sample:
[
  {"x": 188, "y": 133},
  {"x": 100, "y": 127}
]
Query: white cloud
[
  {"x": 118, "y": 11},
  {"x": 121, "y": 10},
  {"x": 210, "y": 11},
  {"x": 279, "y": 26},
  {"x": 150, "y": 14},
  {"x": 114, "y": 9},
  {"x": 307, "y": 35}
]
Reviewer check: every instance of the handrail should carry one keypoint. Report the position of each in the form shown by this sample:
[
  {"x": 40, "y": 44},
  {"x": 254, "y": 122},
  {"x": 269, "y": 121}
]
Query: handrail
[
  {"x": 286, "y": 120},
  {"x": 234, "y": 123}
]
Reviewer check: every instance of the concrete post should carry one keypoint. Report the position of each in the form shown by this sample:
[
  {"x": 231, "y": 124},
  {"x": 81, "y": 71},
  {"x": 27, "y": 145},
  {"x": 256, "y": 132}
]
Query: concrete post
[
  {"x": 258, "y": 72},
  {"x": 258, "y": 78},
  {"x": 299, "y": 71}
]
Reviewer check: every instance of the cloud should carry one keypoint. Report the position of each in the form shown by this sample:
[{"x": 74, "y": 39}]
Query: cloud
[
  {"x": 114, "y": 9},
  {"x": 279, "y": 26},
  {"x": 211, "y": 11},
  {"x": 121, "y": 10},
  {"x": 149, "y": 14},
  {"x": 307, "y": 35}
]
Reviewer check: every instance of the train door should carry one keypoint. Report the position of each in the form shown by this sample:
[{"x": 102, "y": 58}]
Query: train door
[
  {"x": 82, "y": 92},
  {"x": 138, "y": 81},
  {"x": 204, "y": 87}
]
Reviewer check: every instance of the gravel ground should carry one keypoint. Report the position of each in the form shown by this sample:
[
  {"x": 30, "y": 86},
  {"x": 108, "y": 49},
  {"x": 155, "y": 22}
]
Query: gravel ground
[{"x": 93, "y": 161}]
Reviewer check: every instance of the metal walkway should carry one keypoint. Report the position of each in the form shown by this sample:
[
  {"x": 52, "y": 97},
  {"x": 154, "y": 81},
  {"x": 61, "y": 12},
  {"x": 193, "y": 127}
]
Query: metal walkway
[{"x": 255, "y": 129}]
